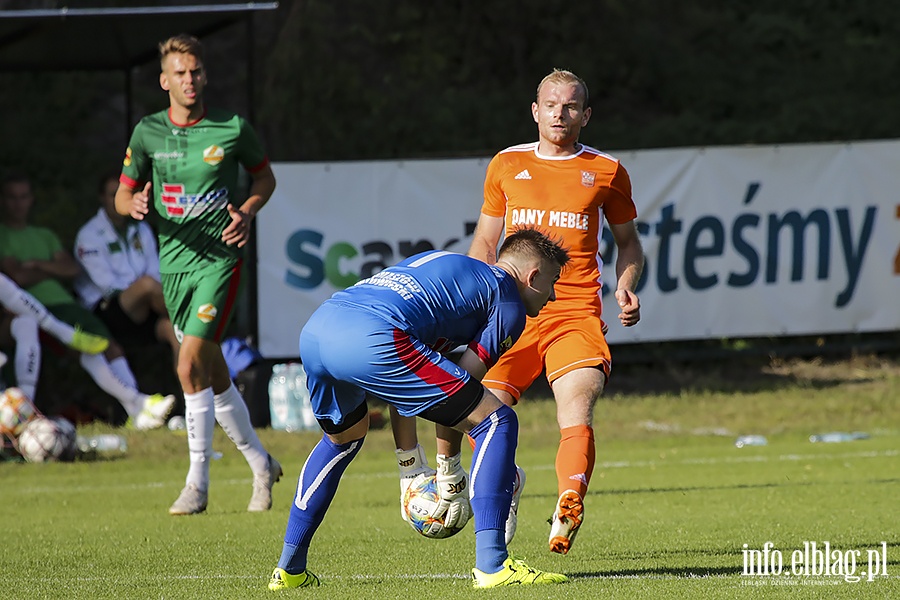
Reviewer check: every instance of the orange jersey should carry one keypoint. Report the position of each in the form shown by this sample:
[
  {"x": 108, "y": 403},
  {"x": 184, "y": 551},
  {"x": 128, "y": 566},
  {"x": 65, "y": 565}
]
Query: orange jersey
[{"x": 566, "y": 197}]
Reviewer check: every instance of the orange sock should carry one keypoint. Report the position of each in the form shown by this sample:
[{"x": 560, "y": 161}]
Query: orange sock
[{"x": 575, "y": 459}]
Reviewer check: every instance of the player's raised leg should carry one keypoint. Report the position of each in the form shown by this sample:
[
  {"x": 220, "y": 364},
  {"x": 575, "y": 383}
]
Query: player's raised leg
[
  {"x": 27, "y": 361},
  {"x": 110, "y": 372},
  {"x": 21, "y": 303},
  {"x": 232, "y": 415}
]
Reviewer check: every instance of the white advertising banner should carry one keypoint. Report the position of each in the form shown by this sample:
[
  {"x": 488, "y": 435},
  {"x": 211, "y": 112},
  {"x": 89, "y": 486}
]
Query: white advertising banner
[
  {"x": 330, "y": 224},
  {"x": 740, "y": 241}
]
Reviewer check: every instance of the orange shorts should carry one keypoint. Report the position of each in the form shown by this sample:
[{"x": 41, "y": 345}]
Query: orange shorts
[{"x": 560, "y": 340}]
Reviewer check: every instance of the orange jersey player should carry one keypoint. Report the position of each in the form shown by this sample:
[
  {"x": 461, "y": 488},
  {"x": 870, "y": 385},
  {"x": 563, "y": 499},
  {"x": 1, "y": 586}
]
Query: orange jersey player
[
  {"x": 568, "y": 197},
  {"x": 567, "y": 190}
]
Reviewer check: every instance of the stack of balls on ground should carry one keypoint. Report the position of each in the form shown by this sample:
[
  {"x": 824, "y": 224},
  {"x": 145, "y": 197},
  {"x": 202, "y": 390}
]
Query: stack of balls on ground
[{"x": 36, "y": 437}]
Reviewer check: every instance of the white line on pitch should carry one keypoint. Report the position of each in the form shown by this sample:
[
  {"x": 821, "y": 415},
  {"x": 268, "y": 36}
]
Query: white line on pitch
[
  {"x": 624, "y": 464},
  {"x": 450, "y": 576}
]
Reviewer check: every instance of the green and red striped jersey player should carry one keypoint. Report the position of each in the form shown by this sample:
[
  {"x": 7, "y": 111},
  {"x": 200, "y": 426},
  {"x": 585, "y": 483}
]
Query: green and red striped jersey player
[{"x": 194, "y": 168}]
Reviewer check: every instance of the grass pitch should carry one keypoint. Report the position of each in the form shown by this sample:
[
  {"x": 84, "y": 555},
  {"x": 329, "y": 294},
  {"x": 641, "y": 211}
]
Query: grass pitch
[{"x": 671, "y": 506}]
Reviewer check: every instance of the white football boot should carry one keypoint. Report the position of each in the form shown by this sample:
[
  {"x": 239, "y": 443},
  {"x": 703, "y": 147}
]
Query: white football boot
[
  {"x": 262, "y": 486},
  {"x": 191, "y": 501},
  {"x": 513, "y": 519}
]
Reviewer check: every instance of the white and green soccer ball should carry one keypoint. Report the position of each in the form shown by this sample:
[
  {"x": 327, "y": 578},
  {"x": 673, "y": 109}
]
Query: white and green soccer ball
[{"x": 46, "y": 439}]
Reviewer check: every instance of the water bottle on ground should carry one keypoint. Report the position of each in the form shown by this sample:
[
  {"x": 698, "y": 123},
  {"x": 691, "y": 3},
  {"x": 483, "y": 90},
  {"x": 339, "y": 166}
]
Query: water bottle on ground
[
  {"x": 289, "y": 399},
  {"x": 307, "y": 418},
  {"x": 751, "y": 440},
  {"x": 280, "y": 397},
  {"x": 105, "y": 443},
  {"x": 838, "y": 436}
]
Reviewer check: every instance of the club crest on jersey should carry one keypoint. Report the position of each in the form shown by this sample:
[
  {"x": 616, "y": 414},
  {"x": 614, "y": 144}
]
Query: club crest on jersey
[
  {"x": 587, "y": 178},
  {"x": 213, "y": 155},
  {"x": 506, "y": 344},
  {"x": 179, "y": 203},
  {"x": 127, "y": 161},
  {"x": 207, "y": 313}
]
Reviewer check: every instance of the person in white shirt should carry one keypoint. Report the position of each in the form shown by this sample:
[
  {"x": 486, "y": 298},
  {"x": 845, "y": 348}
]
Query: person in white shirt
[
  {"x": 34, "y": 259},
  {"x": 121, "y": 282}
]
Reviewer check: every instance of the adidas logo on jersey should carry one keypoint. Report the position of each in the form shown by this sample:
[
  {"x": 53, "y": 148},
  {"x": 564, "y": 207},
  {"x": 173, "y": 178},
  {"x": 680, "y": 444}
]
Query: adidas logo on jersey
[{"x": 524, "y": 175}]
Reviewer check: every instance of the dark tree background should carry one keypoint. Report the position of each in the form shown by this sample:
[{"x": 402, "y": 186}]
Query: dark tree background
[{"x": 359, "y": 79}]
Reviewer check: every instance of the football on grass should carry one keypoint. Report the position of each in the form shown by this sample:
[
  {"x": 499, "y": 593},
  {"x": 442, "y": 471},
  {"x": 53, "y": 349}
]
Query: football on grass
[
  {"x": 15, "y": 411},
  {"x": 421, "y": 504},
  {"x": 46, "y": 439}
]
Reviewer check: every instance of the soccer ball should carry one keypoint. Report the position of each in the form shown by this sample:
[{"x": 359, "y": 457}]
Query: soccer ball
[
  {"x": 420, "y": 503},
  {"x": 15, "y": 411},
  {"x": 45, "y": 439}
]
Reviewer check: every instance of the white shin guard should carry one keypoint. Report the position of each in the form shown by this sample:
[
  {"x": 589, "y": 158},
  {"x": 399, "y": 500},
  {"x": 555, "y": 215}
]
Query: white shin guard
[{"x": 200, "y": 419}]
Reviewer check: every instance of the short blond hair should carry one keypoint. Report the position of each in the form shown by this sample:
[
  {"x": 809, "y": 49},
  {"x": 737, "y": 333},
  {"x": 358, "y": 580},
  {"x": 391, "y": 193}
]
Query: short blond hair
[
  {"x": 561, "y": 76},
  {"x": 180, "y": 44}
]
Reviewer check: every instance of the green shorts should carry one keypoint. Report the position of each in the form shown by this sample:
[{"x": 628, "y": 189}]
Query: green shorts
[
  {"x": 201, "y": 302},
  {"x": 78, "y": 316}
]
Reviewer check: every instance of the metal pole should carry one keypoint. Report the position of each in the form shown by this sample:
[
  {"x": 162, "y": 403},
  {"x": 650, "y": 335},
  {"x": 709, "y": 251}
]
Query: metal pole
[
  {"x": 252, "y": 254},
  {"x": 129, "y": 100}
]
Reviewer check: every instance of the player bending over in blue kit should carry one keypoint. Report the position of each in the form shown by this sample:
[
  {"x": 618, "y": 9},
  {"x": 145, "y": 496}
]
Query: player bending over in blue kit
[{"x": 384, "y": 337}]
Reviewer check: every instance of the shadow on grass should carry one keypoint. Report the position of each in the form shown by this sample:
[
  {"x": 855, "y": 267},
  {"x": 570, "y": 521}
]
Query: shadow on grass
[
  {"x": 709, "y": 488},
  {"x": 744, "y": 365},
  {"x": 737, "y": 376},
  {"x": 747, "y": 486},
  {"x": 662, "y": 572},
  {"x": 94, "y": 456},
  {"x": 669, "y": 377}
]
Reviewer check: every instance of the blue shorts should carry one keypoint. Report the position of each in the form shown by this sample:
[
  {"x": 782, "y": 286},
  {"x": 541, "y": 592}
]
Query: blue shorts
[{"x": 348, "y": 352}]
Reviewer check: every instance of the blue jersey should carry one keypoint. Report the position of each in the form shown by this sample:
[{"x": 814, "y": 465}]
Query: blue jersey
[
  {"x": 386, "y": 336},
  {"x": 445, "y": 300}
]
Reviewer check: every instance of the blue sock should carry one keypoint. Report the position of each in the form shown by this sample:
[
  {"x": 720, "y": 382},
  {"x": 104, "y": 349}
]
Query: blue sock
[
  {"x": 490, "y": 550},
  {"x": 318, "y": 483},
  {"x": 492, "y": 474}
]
